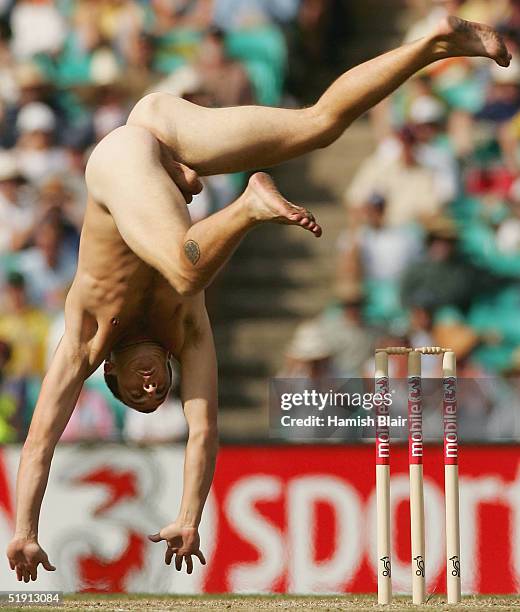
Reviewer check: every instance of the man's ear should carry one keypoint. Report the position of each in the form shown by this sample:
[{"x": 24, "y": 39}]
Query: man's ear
[{"x": 109, "y": 367}]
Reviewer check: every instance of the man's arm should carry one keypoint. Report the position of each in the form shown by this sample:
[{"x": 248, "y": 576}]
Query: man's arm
[
  {"x": 58, "y": 396},
  {"x": 199, "y": 396}
]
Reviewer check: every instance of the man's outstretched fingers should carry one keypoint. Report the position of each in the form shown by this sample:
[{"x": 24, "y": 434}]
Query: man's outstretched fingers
[
  {"x": 178, "y": 562},
  {"x": 189, "y": 563},
  {"x": 19, "y": 573},
  {"x": 200, "y": 557},
  {"x": 155, "y": 537},
  {"x": 33, "y": 572},
  {"x": 48, "y": 565},
  {"x": 169, "y": 555}
]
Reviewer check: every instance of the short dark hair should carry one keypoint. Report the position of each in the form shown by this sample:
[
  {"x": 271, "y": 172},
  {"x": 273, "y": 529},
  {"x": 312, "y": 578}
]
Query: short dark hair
[{"x": 113, "y": 384}]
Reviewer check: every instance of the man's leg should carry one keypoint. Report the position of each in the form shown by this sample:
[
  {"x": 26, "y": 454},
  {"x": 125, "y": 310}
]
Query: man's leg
[
  {"x": 214, "y": 141},
  {"x": 146, "y": 195},
  {"x": 208, "y": 244}
]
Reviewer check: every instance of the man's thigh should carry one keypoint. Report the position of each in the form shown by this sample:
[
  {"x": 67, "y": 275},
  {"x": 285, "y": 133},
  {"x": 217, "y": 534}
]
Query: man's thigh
[
  {"x": 125, "y": 173},
  {"x": 223, "y": 140}
]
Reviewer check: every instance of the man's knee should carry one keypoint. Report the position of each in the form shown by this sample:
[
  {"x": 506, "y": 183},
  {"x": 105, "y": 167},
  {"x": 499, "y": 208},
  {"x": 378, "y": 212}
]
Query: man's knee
[
  {"x": 326, "y": 127},
  {"x": 182, "y": 274},
  {"x": 144, "y": 110},
  {"x": 157, "y": 112}
]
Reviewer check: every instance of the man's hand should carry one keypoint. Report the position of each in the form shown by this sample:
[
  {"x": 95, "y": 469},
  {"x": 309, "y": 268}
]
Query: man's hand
[
  {"x": 24, "y": 556},
  {"x": 183, "y": 542}
]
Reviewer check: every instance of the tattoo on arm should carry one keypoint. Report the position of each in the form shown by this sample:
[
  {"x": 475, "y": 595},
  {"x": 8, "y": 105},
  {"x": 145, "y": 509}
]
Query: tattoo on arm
[{"x": 192, "y": 251}]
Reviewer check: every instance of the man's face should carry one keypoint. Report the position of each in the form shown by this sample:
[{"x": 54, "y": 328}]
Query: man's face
[{"x": 143, "y": 375}]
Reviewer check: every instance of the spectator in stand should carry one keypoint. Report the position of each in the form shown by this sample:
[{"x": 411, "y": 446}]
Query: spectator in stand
[
  {"x": 114, "y": 22},
  {"x": 433, "y": 148},
  {"x": 8, "y": 407},
  {"x": 214, "y": 74},
  {"x": 441, "y": 277},
  {"x": 395, "y": 172},
  {"x": 420, "y": 333},
  {"x": 309, "y": 355},
  {"x": 17, "y": 213},
  {"x": 223, "y": 78},
  {"x": 111, "y": 109},
  {"x": 37, "y": 154},
  {"x": 347, "y": 332},
  {"x": 8, "y": 86},
  {"x": 24, "y": 328},
  {"x": 308, "y": 359},
  {"x": 30, "y": 86},
  {"x": 508, "y": 233},
  {"x": 503, "y": 94},
  {"x": 140, "y": 74},
  {"x": 49, "y": 266},
  {"x": 383, "y": 251},
  {"x": 37, "y": 27},
  {"x": 376, "y": 254},
  {"x": 187, "y": 14},
  {"x": 176, "y": 28},
  {"x": 58, "y": 200}
]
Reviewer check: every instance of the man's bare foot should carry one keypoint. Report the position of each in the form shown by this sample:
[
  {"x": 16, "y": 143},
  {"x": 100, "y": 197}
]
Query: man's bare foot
[
  {"x": 456, "y": 37},
  {"x": 267, "y": 204}
]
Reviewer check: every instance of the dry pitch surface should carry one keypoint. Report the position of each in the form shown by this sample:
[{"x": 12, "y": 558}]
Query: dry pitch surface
[{"x": 360, "y": 603}]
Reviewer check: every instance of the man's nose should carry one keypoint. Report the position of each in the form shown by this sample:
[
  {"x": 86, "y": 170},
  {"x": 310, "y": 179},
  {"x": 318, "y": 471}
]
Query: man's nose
[{"x": 150, "y": 387}]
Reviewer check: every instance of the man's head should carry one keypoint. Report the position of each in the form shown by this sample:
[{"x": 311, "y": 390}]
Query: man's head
[{"x": 139, "y": 374}]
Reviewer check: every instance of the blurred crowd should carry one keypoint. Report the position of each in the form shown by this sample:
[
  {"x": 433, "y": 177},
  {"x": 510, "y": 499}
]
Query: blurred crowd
[
  {"x": 70, "y": 71},
  {"x": 430, "y": 254}
]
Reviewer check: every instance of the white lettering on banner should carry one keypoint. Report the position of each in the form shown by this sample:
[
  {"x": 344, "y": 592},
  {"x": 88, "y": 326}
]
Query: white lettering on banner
[
  {"x": 434, "y": 515},
  {"x": 256, "y": 576},
  {"x": 306, "y": 575},
  {"x": 474, "y": 492}
]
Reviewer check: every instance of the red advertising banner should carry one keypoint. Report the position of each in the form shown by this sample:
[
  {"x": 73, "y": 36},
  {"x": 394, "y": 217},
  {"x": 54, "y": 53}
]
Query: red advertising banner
[{"x": 279, "y": 519}]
